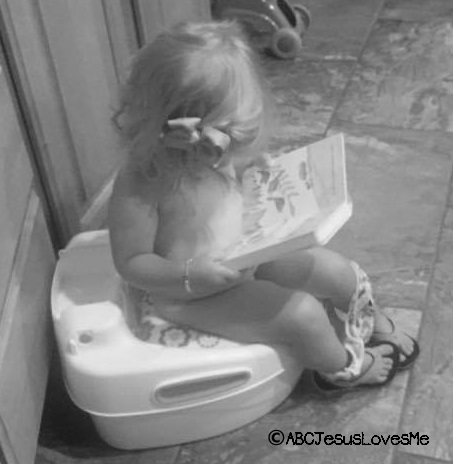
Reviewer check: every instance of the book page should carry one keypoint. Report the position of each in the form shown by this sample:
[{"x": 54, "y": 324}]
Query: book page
[
  {"x": 300, "y": 200},
  {"x": 277, "y": 200}
]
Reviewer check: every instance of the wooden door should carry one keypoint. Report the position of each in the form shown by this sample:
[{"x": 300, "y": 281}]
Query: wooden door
[{"x": 26, "y": 266}]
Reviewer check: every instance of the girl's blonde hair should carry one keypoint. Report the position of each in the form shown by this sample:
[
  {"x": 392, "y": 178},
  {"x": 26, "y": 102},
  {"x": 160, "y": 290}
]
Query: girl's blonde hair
[{"x": 203, "y": 70}]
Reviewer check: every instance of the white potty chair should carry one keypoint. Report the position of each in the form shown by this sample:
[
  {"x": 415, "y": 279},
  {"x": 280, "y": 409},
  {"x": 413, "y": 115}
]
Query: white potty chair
[{"x": 164, "y": 385}]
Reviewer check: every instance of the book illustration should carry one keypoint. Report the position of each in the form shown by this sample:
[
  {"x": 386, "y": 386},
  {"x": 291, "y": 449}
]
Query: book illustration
[
  {"x": 277, "y": 200},
  {"x": 300, "y": 198}
]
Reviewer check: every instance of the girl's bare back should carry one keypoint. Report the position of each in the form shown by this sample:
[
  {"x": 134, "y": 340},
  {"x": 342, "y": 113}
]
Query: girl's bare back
[{"x": 200, "y": 219}]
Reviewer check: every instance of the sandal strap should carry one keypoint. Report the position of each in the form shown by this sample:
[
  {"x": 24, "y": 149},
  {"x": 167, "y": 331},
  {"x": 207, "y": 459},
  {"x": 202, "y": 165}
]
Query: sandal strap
[
  {"x": 391, "y": 337},
  {"x": 327, "y": 385}
]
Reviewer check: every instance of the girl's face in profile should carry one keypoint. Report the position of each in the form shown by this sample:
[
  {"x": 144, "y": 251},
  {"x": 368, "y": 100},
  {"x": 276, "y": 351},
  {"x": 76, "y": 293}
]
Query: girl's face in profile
[{"x": 241, "y": 159}]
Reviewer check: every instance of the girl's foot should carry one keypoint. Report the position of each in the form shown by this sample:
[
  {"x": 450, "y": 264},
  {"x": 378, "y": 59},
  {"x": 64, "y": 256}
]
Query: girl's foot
[
  {"x": 385, "y": 331},
  {"x": 379, "y": 368}
]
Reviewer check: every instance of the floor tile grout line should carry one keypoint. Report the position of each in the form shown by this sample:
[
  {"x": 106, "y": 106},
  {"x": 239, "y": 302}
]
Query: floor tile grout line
[
  {"x": 333, "y": 116},
  {"x": 356, "y": 65},
  {"x": 177, "y": 455},
  {"x": 392, "y": 129},
  {"x": 405, "y": 308},
  {"x": 428, "y": 293},
  {"x": 315, "y": 57},
  {"x": 438, "y": 242},
  {"x": 379, "y": 272}
]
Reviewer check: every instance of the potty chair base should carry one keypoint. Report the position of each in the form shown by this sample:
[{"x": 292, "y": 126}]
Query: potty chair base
[
  {"x": 192, "y": 423},
  {"x": 164, "y": 384}
]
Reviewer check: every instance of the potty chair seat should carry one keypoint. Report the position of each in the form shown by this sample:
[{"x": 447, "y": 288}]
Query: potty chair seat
[{"x": 155, "y": 383}]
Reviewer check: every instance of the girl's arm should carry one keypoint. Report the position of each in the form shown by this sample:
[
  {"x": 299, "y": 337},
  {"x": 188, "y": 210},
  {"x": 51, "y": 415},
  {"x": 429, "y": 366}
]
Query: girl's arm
[{"x": 133, "y": 221}]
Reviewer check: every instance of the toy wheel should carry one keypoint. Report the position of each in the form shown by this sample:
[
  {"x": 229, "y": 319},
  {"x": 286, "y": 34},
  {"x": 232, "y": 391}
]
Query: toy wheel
[
  {"x": 304, "y": 15},
  {"x": 286, "y": 43}
]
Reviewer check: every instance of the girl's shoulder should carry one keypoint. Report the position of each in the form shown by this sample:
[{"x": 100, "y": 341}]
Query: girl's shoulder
[
  {"x": 134, "y": 193},
  {"x": 132, "y": 215},
  {"x": 133, "y": 205},
  {"x": 134, "y": 181}
]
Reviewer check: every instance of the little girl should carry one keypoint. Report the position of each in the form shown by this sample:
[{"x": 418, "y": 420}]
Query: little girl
[{"x": 193, "y": 115}]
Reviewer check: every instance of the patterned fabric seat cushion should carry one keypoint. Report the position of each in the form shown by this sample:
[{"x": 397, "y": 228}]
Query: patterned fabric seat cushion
[{"x": 151, "y": 328}]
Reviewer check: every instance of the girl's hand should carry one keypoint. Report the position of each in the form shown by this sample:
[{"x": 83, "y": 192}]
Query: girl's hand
[
  {"x": 264, "y": 161},
  {"x": 260, "y": 161},
  {"x": 207, "y": 277}
]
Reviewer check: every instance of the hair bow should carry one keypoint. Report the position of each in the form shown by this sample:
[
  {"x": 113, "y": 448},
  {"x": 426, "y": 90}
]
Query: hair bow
[{"x": 203, "y": 141}]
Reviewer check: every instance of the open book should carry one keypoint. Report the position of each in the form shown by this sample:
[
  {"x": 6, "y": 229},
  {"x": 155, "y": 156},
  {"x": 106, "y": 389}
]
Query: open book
[{"x": 300, "y": 200}]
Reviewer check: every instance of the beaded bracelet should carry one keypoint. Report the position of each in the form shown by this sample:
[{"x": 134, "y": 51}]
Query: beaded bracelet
[{"x": 185, "y": 276}]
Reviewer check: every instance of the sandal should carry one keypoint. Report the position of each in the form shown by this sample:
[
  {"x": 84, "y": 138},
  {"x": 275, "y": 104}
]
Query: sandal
[
  {"x": 360, "y": 382},
  {"x": 392, "y": 337}
]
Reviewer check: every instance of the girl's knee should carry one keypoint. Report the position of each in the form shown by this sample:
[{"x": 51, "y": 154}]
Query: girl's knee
[
  {"x": 330, "y": 262},
  {"x": 304, "y": 314}
]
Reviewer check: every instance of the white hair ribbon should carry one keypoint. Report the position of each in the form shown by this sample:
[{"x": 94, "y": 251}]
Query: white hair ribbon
[{"x": 190, "y": 135}]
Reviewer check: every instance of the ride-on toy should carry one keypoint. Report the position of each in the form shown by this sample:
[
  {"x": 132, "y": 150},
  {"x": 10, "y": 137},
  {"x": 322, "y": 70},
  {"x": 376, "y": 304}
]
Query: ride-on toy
[{"x": 285, "y": 22}]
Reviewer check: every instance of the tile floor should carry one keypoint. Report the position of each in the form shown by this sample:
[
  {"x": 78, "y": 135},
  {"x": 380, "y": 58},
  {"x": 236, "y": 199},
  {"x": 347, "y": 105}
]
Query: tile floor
[{"x": 381, "y": 72}]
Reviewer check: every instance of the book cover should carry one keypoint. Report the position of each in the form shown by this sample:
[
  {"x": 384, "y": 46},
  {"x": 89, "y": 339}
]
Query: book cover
[{"x": 300, "y": 200}]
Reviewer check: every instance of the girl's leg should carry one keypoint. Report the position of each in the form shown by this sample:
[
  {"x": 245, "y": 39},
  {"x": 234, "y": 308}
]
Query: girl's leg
[
  {"x": 318, "y": 271},
  {"x": 262, "y": 312},
  {"x": 327, "y": 274}
]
